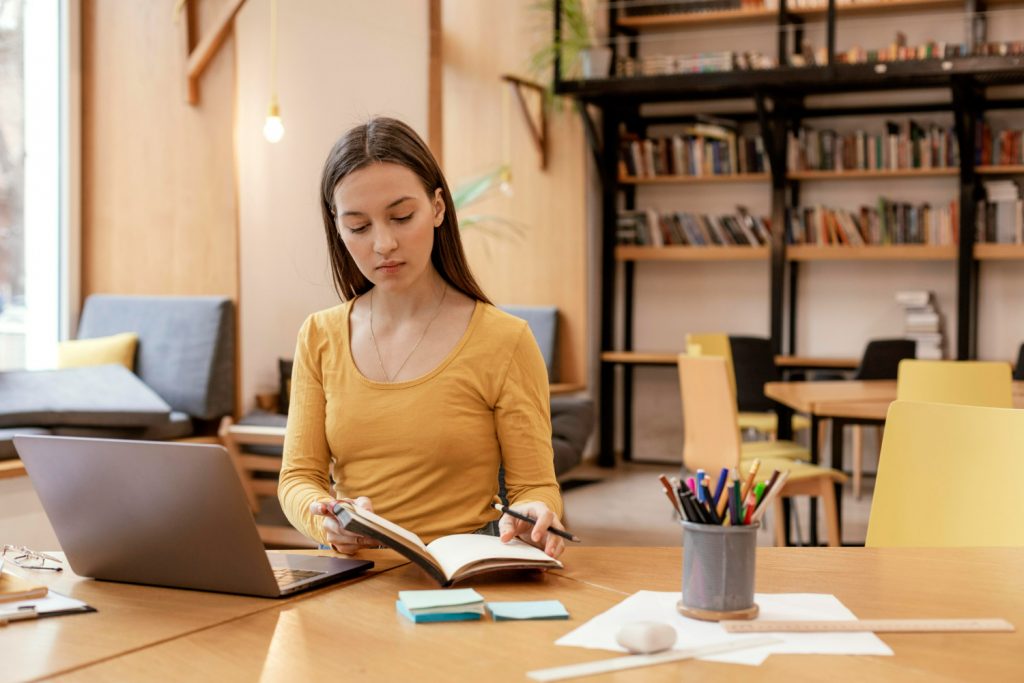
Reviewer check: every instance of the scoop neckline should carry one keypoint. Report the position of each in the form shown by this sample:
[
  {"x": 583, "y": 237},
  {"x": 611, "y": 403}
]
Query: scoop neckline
[{"x": 445, "y": 362}]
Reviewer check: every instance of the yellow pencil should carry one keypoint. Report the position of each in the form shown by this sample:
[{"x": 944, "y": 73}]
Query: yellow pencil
[{"x": 750, "y": 479}]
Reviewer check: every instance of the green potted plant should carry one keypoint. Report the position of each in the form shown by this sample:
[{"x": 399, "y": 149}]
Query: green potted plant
[{"x": 581, "y": 54}]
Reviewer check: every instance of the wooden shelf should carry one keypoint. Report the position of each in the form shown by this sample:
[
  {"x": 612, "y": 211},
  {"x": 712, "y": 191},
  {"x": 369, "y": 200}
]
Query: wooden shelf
[
  {"x": 816, "y": 80},
  {"x": 696, "y": 180},
  {"x": 868, "y": 174},
  {"x": 999, "y": 252},
  {"x": 681, "y": 253},
  {"x": 727, "y": 16},
  {"x": 890, "y": 252},
  {"x": 639, "y": 358},
  {"x": 999, "y": 170}
]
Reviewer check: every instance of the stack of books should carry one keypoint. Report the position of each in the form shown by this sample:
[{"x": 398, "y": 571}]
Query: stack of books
[
  {"x": 440, "y": 605},
  {"x": 1000, "y": 220},
  {"x": 923, "y": 323}
]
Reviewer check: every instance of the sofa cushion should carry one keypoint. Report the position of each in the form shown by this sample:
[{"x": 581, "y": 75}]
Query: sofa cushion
[
  {"x": 117, "y": 348},
  {"x": 572, "y": 421},
  {"x": 102, "y": 395},
  {"x": 186, "y": 346},
  {"x": 7, "y": 451},
  {"x": 543, "y": 322},
  {"x": 178, "y": 426}
]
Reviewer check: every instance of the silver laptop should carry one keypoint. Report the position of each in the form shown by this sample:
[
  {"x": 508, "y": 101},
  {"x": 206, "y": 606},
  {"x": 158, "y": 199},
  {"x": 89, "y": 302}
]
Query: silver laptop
[{"x": 162, "y": 514}]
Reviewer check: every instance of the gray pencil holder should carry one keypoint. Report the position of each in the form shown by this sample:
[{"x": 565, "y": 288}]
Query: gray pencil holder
[{"x": 718, "y": 571}]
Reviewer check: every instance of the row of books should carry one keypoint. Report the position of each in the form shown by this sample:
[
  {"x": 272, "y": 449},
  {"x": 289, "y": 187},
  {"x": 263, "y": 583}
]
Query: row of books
[
  {"x": 637, "y": 8},
  {"x": 901, "y": 146},
  {"x": 889, "y": 222},
  {"x": 998, "y": 147},
  {"x": 693, "y": 63},
  {"x": 652, "y": 229},
  {"x": 701, "y": 150}
]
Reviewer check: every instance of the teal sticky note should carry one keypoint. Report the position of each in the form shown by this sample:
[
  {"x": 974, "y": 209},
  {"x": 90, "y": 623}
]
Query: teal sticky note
[
  {"x": 428, "y": 618},
  {"x": 539, "y": 609},
  {"x": 415, "y": 600}
]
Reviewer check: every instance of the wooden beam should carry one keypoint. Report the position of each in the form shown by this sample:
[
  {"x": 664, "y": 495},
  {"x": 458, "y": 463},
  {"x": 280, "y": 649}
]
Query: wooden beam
[
  {"x": 435, "y": 100},
  {"x": 207, "y": 48}
]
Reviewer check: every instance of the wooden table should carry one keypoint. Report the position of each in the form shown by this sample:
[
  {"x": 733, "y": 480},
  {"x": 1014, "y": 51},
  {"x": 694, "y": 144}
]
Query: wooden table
[
  {"x": 352, "y": 631},
  {"x": 843, "y": 402},
  {"x": 130, "y": 618}
]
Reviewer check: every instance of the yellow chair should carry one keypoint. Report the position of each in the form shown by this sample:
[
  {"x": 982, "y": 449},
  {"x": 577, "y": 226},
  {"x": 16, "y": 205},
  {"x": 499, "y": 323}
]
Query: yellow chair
[
  {"x": 711, "y": 440},
  {"x": 968, "y": 383},
  {"x": 717, "y": 344},
  {"x": 950, "y": 476}
]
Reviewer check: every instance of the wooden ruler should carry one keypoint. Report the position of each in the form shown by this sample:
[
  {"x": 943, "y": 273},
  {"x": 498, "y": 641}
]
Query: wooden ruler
[
  {"x": 872, "y": 625},
  {"x": 559, "y": 673}
]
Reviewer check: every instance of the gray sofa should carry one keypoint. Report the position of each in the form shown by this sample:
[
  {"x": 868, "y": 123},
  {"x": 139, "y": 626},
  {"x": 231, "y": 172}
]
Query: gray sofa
[{"x": 184, "y": 377}]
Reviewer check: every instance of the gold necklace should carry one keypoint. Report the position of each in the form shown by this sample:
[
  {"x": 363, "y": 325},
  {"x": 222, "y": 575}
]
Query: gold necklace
[{"x": 373, "y": 338}]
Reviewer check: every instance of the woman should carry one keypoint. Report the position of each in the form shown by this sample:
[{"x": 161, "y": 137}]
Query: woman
[{"x": 415, "y": 389}]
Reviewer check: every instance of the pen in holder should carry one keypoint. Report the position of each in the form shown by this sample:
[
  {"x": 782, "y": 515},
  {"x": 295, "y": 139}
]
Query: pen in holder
[{"x": 718, "y": 571}]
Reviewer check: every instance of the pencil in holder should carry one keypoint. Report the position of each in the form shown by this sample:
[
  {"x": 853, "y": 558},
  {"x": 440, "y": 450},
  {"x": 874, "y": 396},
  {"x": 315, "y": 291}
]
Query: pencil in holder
[{"x": 718, "y": 571}]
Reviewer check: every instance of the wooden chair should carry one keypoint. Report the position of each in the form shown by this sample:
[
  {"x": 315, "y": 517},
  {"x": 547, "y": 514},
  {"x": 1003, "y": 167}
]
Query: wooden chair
[
  {"x": 711, "y": 441},
  {"x": 236, "y": 438},
  {"x": 936, "y": 458},
  {"x": 750, "y": 364},
  {"x": 961, "y": 382}
]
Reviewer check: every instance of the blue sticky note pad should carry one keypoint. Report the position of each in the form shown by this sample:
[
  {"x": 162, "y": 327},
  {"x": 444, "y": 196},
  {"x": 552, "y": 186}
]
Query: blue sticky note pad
[
  {"x": 415, "y": 600},
  {"x": 539, "y": 609},
  {"x": 427, "y": 618}
]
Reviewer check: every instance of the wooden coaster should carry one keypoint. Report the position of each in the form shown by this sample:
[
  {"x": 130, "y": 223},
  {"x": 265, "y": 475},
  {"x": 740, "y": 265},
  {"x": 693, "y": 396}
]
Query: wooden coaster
[{"x": 716, "y": 615}]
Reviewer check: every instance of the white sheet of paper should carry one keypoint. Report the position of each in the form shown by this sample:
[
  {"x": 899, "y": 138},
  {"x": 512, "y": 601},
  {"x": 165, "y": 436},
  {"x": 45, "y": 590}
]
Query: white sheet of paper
[
  {"x": 599, "y": 633},
  {"x": 53, "y": 602}
]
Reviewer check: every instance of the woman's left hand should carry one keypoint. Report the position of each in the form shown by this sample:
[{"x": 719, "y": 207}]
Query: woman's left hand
[{"x": 534, "y": 534}]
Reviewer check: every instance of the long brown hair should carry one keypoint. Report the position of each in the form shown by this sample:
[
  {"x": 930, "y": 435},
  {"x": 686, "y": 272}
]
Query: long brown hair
[{"x": 386, "y": 140}]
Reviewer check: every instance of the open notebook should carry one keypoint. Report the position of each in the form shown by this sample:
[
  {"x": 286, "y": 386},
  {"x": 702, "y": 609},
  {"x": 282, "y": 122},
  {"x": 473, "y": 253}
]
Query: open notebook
[{"x": 449, "y": 558}]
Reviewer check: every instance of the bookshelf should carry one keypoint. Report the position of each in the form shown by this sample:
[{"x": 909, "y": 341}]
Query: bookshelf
[{"x": 778, "y": 100}]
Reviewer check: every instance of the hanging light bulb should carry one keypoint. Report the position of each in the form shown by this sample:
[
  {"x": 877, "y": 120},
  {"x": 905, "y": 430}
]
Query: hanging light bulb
[
  {"x": 273, "y": 128},
  {"x": 505, "y": 181}
]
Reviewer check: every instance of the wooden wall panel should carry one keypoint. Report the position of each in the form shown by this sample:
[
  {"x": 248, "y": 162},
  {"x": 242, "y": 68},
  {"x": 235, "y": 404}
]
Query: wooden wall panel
[
  {"x": 158, "y": 189},
  {"x": 548, "y": 264}
]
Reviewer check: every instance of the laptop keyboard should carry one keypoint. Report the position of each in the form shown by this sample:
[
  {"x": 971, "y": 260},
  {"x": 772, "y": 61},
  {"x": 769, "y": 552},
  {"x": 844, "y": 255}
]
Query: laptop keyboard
[{"x": 286, "y": 577}]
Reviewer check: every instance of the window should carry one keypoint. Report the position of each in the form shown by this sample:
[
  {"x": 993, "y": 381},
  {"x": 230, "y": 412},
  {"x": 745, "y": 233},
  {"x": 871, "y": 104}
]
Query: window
[{"x": 32, "y": 187}]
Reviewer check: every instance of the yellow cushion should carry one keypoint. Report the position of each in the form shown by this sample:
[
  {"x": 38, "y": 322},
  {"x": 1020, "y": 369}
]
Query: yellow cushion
[
  {"x": 766, "y": 423},
  {"x": 773, "y": 449},
  {"x": 117, "y": 348}
]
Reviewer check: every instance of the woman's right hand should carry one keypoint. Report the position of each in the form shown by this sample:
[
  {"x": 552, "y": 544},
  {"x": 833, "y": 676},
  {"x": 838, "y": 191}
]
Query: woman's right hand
[{"x": 343, "y": 541}]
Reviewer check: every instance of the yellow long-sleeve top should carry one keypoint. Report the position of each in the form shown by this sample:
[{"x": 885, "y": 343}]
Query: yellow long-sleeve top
[{"x": 425, "y": 451}]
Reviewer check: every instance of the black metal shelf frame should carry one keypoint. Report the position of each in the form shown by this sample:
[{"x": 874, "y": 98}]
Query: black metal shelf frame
[{"x": 778, "y": 98}]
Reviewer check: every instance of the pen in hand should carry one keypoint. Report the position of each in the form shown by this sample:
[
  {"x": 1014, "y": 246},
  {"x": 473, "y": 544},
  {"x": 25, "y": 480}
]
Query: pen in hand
[{"x": 526, "y": 518}]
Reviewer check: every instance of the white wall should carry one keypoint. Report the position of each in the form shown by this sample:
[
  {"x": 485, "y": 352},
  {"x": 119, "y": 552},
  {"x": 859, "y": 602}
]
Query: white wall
[{"x": 338, "y": 64}]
